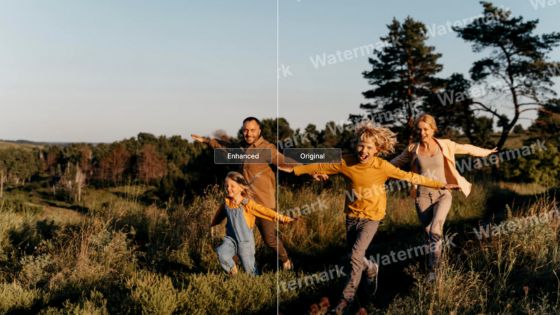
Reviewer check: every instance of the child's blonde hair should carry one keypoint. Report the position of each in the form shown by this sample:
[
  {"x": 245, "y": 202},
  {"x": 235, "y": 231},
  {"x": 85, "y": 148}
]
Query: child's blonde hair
[
  {"x": 383, "y": 138},
  {"x": 241, "y": 181}
]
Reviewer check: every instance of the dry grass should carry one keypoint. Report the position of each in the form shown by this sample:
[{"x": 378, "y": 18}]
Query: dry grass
[{"x": 121, "y": 256}]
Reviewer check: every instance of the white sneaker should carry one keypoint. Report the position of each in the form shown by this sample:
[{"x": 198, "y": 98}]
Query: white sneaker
[{"x": 233, "y": 270}]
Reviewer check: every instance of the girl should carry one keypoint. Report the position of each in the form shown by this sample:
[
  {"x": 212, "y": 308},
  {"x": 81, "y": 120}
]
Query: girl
[
  {"x": 241, "y": 213},
  {"x": 366, "y": 201}
]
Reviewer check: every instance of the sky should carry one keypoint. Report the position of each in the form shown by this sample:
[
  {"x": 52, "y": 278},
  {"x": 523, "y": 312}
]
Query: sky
[{"x": 102, "y": 71}]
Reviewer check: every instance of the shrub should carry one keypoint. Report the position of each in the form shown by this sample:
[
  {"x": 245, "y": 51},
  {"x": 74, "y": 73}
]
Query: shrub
[
  {"x": 155, "y": 294},
  {"x": 14, "y": 297}
]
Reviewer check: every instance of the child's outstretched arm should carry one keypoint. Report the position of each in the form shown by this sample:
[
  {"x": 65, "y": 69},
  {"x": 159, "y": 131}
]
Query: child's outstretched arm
[
  {"x": 289, "y": 168},
  {"x": 219, "y": 216},
  {"x": 266, "y": 213},
  {"x": 315, "y": 168}
]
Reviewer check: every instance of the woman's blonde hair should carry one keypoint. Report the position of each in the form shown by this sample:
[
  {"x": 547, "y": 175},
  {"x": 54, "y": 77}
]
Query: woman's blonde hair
[
  {"x": 428, "y": 119},
  {"x": 240, "y": 179},
  {"x": 383, "y": 138}
]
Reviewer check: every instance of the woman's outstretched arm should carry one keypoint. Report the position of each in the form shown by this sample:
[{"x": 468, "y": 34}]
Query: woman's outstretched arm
[{"x": 473, "y": 150}]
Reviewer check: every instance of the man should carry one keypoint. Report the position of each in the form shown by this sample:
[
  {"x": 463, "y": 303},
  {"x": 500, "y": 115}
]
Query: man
[{"x": 262, "y": 179}]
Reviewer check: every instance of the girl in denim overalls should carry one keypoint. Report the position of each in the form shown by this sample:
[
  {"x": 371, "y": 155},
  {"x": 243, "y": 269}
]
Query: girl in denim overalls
[{"x": 240, "y": 212}]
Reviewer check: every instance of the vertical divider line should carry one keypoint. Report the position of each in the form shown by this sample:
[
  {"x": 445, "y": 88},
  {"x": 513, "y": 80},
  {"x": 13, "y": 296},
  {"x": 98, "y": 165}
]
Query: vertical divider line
[{"x": 277, "y": 136}]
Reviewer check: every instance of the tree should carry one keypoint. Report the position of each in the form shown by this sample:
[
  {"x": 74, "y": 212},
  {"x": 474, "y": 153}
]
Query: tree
[
  {"x": 481, "y": 131},
  {"x": 403, "y": 75},
  {"x": 76, "y": 162},
  {"x": 543, "y": 166},
  {"x": 146, "y": 138},
  {"x": 518, "y": 129},
  {"x": 72, "y": 181},
  {"x": 517, "y": 61},
  {"x": 151, "y": 165},
  {"x": 329, "y": 137},
  {"x": 53, "y": 156},
  {"x": 450, "y": 105},
  {"x": 310, "y": 137},
  {"x": 547, "y": 124},
  {"x": 18, "y": 166},
  {"x": 114, "y": 164}
]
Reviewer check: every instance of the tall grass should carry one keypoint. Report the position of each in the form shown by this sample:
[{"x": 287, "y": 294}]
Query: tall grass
[
  {"x": 321, "y": 224},
  {"x": 121, "y": 256},
  {"x": 515, "y": 271}
]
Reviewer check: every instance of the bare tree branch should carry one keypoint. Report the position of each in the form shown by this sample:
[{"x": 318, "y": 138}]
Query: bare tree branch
[
  {"x": 487, "y": 109},
  {"x": 528, "y": 109}
]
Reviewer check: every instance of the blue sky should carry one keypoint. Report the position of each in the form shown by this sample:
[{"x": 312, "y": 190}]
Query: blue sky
[{"x": 100, "y": 71}]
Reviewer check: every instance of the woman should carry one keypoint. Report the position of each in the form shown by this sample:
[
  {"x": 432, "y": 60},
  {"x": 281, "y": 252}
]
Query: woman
[{"x": 435, "y": 158}]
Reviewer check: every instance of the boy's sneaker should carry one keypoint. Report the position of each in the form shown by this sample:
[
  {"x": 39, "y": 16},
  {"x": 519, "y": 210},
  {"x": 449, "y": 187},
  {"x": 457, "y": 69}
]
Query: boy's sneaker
[
  {"x": 341, "y": 307},
  {"x": 288, "y": 265},
  {"x": 372, "y": 273},
  {"x": 324, "y": 305}
]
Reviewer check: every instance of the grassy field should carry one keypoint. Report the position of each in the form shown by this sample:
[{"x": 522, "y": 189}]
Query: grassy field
[{"x": 114, "y": 254}]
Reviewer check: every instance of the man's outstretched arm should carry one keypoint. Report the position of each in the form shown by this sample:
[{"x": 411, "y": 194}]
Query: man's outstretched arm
[{"x": 214, "y": 143}]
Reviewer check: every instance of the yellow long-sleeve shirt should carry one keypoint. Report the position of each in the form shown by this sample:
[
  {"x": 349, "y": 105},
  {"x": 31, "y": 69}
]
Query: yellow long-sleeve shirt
[
  {"x": 251, "y": 211},
  {"x": 365, "y": 183}
]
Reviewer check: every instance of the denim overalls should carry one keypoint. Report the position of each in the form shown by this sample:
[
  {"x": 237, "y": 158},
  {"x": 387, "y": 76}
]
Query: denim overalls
[{"x": 239, "y": 241}]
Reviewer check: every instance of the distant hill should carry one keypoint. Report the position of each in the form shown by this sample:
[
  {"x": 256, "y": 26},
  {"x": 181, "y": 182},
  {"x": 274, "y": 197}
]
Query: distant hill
[
  {"x": 22, "y": 144},
  {"x": 26, "y": 144}
]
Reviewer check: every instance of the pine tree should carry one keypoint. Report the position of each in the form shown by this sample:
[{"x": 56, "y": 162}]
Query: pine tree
[{"x": 403, "y": 75}]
